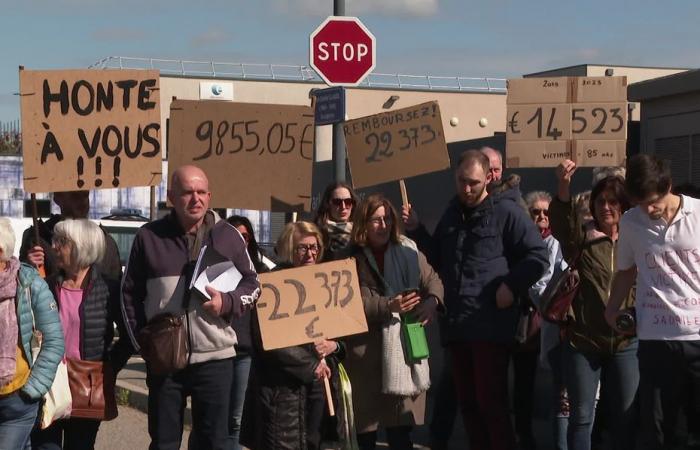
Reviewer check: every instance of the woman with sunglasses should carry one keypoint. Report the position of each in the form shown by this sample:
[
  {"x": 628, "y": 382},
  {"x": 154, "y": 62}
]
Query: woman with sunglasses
[
  {"x": 395, "y": 279},
  {"x": 334, "y": 218},
  {"x": 285, "y": 401},
  {"x": 594, "y": 352},
  {"x": 551, "y": 347}
]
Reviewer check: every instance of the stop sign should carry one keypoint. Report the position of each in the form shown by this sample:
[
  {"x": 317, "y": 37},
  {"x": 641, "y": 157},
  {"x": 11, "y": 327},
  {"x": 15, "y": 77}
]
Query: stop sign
[{"x": 342, "y": 51}]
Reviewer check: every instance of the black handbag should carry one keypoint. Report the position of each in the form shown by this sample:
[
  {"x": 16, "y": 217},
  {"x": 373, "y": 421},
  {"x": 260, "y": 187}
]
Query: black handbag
[{"x": 556, "y": 300}]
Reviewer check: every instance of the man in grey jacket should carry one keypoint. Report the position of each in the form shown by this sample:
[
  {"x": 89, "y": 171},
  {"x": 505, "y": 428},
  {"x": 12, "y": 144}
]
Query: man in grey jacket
[{"x": 155, "y": 282}]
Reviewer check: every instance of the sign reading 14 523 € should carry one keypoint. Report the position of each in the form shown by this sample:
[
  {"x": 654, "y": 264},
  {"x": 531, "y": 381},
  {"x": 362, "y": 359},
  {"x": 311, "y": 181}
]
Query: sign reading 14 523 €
[{"x": 578, "y": 118}]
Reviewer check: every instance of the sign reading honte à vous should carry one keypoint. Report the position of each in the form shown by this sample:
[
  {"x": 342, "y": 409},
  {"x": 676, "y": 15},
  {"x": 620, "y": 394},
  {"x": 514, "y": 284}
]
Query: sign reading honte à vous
[{"x": 90, "y": 129}]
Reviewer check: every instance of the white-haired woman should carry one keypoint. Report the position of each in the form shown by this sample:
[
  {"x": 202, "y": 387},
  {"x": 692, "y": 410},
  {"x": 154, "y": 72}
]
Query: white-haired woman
[
  {"x": 26, "y": 304},
  {"x": 551, "y": 349},
  {"x": 88, "y": 305}
]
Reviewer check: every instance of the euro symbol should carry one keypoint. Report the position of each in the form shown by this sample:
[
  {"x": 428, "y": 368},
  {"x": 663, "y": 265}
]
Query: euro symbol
[
  {"x": 514, "y": 123},
  {"x": 310, "y": 329}
]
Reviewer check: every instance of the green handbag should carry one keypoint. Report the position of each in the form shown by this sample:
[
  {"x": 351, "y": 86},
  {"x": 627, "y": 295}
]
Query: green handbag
[{"x": 415, "y": 341}]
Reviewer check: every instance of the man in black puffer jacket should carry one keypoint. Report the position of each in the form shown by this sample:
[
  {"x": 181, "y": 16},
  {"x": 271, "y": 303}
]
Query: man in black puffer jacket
[{"x": 488, "y": 252}]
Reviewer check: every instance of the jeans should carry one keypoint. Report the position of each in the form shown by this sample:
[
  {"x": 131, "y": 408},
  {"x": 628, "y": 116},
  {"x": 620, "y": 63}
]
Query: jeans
[
  {"x": 559, "y": 397},
  {"x": 209, "y": 384},
  {"x": 17, "y": 418},
  {"x": 583, "y": 373},
  {"x": 481, "y": 380},
  {"x": 445, "y": 406},
  {"x": 241, "y": 370},
  {"x": 398, "y": 438},
  {"x": 73, "y": 434},
  {"x": 668, "y": 370}
]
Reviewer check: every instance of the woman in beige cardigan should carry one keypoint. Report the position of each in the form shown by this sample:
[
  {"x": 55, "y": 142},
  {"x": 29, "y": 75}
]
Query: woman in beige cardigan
[{"x": 395, "y": 279}]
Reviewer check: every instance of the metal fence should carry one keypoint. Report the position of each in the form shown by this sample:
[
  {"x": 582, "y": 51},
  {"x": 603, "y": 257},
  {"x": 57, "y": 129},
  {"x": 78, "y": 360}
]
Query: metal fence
[
  {"x": 286, "y": 72},
  {"x": 10, "y": 138}
]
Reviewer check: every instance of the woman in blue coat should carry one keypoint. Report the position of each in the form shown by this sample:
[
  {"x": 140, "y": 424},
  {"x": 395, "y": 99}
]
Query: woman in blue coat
[{"x": 26, "y": 305}]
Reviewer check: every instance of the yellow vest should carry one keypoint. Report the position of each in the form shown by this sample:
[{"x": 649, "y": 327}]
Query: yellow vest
[{"x": 22, "y": 372}]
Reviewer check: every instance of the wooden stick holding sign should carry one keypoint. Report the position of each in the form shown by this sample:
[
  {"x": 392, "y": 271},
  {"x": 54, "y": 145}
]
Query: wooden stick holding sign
[
  {"x": 35, "y": 221},
  {"x": 329, "y": 395},
  {"x": 404, "y": 194}
]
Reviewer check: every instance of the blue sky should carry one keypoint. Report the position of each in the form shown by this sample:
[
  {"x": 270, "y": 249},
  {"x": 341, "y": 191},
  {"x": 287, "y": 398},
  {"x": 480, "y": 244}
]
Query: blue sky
[{"x": 496, "y": 38}]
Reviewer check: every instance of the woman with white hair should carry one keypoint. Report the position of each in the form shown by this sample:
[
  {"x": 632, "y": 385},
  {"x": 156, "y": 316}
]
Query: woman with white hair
[
  {"x": 88, "y": 305},
  {"x": 26, "y": 306}
]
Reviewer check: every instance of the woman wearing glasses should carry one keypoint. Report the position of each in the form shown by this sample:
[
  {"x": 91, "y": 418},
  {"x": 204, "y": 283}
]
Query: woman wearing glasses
[
  {"x": 334, "y": 218},
  {"x": 395, "y": 279},
  {"x": 551, "y": 348},
  {"x": 285, "y": 401},
  {"x": 594, "y": 352}
]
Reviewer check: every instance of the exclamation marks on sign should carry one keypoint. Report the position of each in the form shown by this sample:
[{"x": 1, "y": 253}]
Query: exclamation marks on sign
[
  {"x": 117, "y": 170},
  {"x": 98, "y": 171},
  {"x": 81, "y": 169}
]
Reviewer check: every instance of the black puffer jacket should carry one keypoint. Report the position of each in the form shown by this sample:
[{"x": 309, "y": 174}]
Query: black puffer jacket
[
  {"x": 99, "y": 309},
  {"x": 280, "y": 387}
]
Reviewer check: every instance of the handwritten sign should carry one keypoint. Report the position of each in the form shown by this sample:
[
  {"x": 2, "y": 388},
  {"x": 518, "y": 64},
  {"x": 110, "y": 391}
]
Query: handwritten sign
[
  {"x": 396, "y": 144},
  {"x": 310, "y": 303},
  {"x": 88, "y": 129},
  {"x": 256, "y": 156},
  {"x": 578, "y": 118}
]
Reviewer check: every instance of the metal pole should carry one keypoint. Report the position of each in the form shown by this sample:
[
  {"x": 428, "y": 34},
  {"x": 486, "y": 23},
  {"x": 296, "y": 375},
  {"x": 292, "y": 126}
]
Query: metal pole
[{"x": 338, "y": 136}]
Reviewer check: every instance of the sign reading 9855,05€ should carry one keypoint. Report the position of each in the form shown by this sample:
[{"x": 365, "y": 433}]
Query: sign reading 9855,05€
[
  {"x": 257, "y": 156},
  {"x": 90, "y": 129},
  {"x": 310, "y": 303},
  {"x": 579, "y": 118}
]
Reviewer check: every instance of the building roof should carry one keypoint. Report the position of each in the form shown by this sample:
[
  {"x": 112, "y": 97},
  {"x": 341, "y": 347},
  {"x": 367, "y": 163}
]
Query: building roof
[
  {"x": 679, "y": 83},
  {"x": 576, "y": 66}
]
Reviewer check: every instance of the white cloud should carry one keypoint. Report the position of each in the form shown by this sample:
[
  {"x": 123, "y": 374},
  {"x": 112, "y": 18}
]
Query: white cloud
[
  {"x": 212, "y": 36},
  {"x": 321, "y": 8}
]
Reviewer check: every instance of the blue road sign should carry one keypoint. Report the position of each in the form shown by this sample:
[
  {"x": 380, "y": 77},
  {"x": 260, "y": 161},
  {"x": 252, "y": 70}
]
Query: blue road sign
[{"x": 330, "y": 105}]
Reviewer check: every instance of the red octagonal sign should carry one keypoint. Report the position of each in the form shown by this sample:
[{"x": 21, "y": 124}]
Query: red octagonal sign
[{"x": 342, "y": 51}]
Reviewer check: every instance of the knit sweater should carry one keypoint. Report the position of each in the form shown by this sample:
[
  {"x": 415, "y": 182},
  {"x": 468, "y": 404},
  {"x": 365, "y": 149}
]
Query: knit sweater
[{"x": 156, "y": 282}]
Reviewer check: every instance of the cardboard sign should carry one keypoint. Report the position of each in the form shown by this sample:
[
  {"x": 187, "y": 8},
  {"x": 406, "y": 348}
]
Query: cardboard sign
[
  {"x": 310, "y": 303},
  {"x": 396, "y": 144},
  {"x": 256, "y": 156},
  {"x": 90, "y": 129},
  {"x": 551, "y": 119}
]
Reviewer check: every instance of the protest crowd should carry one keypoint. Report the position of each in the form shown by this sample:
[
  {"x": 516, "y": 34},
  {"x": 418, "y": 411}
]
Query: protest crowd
[{"x": 602, "y": 288}]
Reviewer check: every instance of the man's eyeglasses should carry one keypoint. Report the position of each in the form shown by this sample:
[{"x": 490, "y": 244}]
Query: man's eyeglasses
[
  {"x": 376, "y": 221},
  {"x": 303, "y": 249},
  {"x": 538, "y": 211},
  {"x": 339, "y": 202}
]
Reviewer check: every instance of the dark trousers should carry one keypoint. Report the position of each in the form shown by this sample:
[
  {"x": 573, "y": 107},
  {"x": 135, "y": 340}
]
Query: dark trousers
[
  {"x": 668, "y": 371},
  {"x": 445, "y": 406},
  {"x": 398, "y": 438},
  {"x": 315, "y": 409},
  {"x": 209, "y": 385},
  {"x": 524, "y": 370},
  {"x": 73, "y": 434},
  {"x": 481, "y": 380}
]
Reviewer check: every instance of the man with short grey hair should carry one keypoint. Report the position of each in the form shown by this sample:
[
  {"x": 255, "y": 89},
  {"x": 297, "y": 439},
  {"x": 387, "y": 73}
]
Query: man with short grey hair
[
  {"x": 495, "y": 163},
  {"x": 156, "y": 282}
]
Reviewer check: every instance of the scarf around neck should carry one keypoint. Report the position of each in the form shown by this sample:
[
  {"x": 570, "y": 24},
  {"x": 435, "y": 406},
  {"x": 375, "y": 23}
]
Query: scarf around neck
[{"x": 8, "y": 321}]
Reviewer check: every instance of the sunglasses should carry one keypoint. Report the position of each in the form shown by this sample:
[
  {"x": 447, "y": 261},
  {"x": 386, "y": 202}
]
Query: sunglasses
[
  {"x": 339, "y": 202},
  {"x": 538, "y": 211}
]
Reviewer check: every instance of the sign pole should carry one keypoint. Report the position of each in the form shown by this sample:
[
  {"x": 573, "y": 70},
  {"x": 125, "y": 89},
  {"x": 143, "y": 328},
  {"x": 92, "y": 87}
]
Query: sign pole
[{"x": 338, "y": 136}]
